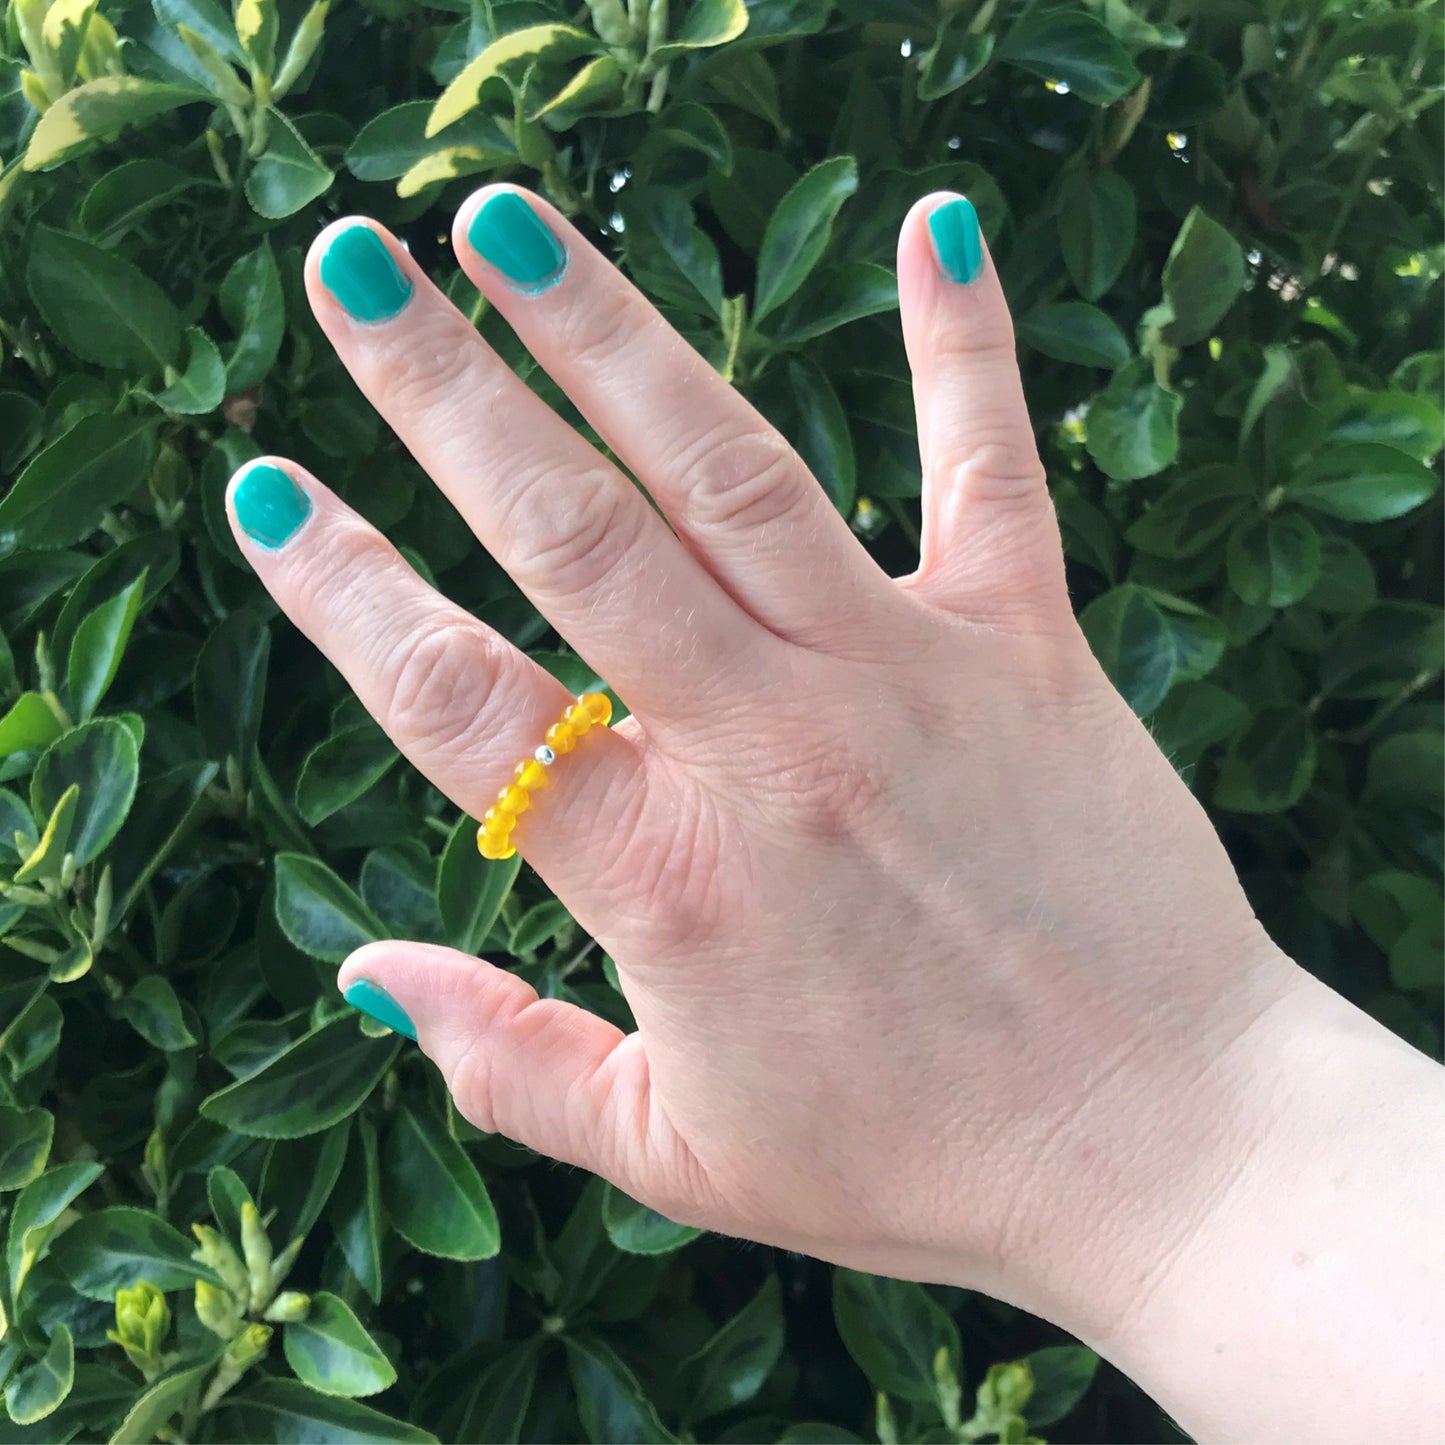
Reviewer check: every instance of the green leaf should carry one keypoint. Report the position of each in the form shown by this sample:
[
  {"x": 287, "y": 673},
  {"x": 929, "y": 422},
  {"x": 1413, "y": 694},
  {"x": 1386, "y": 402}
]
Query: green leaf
[
  {"x": 99, "y": 645},
  {"x": 1132, "y": 426},
  {"x": 1074, "y": 331},
  {"x": 732, "y": 1367},
  {"x": 636, "y": 1229},
  {"x": 46, "y": 859},
  {"x": 129, "y": 192},
  {"x": 539, "y": 925},
  {"x": 157, "y": 1404},
  {"x": 1274, "y": 561},
  {"x": 154, "y": 1012},
  {"x": 1194, "y": 716},
  {"x": 391, "y": 143},
  {"x": 1097, "y": 216},
  {"x": 1204, "y": 274},
  {"x": 1071, "y": 46},
  {"x": 318, "y": 1081},
  {"x": 97, "y": 111},
  {"x": 20, "y": 419},
  {"x": 118, "y": 1247},
  {"x": 1271, "y": 764},
  {"x": 230, "y": 687},
  {"x": 609, "y": 1399},
  {"x": 957, "y": 56},
  {"x": 330, "y": 1351},
  {"x": 894, "y": 1330},
  {"x": 832, "y": 298},
  {"x": 251, "y": 301},
  {"x": 100, "y": 306},
  {"x": 1062, "y": 1375},
  {"x": 29, "y": 726},
  {"x": 432, "y": 1191},
  {"x": 299, "y": 1177},
  {"x": 798, "y": 230},
  {"x": 1407, "y": 770},
  {"x": 820, "y": 432},
  {"x": 533, "y": 43},
  {"x": 64, "y": 490},
  {"x": 25, "y": 1136},
  {"x": 36, "y": 1390},
  {"x": 101, "y": 759},
  {"x": 594, "y": 90},
  {"x": 257, "y": 23},
  {"x": 285, "y": 1412},
  {"x": 667, "y": 253},
  {"x": 1362, "y": 482},
  {"x": 36, "y": 1210},
  {"x": 341, "y": 768},
  {"x": 398, "y": 884},
  {"x": 289, "y": 174},
  {"x": 1195, "y": 511},
  {"x": 356, "y": 1209},
  {"x": 1146, "y": 643},
  {"x": 318, "y": 912},
  {"x": 200, "y": 386},
  {"x": 1377, "y": 652},
  {"x": 708, "y": 23},
  {"x": 471, "y": 890},
  {"x": 1414, "y": 424}
]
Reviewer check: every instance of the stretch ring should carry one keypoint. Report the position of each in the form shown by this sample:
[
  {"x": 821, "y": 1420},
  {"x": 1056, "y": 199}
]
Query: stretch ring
[{"x": 494, "y": 836}]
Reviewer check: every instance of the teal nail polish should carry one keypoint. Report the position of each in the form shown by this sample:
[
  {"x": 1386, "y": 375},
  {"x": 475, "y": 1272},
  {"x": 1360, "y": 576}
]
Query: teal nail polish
[
  {"x": 376, "y": 1003},
  {"x": 269, "y": 506},
  {"x": 508, "y": 234},
  {"x": 359, "y": 271},
  {"x": 956, "y": 243}
]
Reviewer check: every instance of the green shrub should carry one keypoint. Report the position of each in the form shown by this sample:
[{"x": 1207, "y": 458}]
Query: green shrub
[{"x": 1220, "y": 233}]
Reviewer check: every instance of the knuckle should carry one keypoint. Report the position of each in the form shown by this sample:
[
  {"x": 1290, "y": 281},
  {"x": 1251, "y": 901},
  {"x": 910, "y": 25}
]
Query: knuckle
[
  {"x": 433, "y": 367},
  {"x": 569, "y": 538},
  {"x": 1004, "y": 467},
  {"x": 596, "y": 332},
  {"x": 739, "y": 480},
  {"x": 438, "y": 695}
]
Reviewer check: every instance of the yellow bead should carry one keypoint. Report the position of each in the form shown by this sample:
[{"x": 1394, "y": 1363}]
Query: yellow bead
[
  {"x": 599, "y": 705},
  {"x": 494, "y": 848},
  {"x": 497, "y": 823},
  {"x": 561, "y": 739},
  {"x": 578, "y": 718},
  {"x": 513, "y": 799},
  {"x": 531, "y": 774}
]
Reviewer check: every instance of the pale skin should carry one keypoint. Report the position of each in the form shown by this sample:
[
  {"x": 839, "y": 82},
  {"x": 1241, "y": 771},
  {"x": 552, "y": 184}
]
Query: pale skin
[{"x": 939, "y": 970}]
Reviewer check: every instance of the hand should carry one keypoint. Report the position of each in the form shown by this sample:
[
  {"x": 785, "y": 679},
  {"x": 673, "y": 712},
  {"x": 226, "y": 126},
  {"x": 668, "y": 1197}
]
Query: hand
[{"x": 938, "y": 968}]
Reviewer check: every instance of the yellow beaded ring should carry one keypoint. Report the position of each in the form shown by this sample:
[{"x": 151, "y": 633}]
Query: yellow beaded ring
[{"x": 494, "y": 837}]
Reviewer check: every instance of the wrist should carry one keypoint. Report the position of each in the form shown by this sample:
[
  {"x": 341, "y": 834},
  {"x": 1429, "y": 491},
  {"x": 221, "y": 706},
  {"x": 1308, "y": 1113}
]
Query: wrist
[{"x": 1316, "y": 1257}]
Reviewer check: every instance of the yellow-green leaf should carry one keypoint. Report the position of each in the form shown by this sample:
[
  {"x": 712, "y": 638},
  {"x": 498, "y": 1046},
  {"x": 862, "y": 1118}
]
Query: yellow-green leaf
[{"x": 556, "y": 42}]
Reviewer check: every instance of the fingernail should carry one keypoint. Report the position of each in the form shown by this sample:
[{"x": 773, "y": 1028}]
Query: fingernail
[
  {"x": 269, "y": 506},
  {"x": 956, "y": 243},
  {"x": 359, "y": 270},
  {"x": 376, "y": 1003},
  {"x": 509, "y": 235}
]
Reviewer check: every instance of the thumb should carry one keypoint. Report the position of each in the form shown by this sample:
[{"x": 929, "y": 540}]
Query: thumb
[
  {"x": 548, "y": 1074},
  {"x": 990, "y": 542}
]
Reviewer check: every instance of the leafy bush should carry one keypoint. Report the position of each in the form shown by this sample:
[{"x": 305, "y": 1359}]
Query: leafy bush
[{"x": 234, "y": 1211}]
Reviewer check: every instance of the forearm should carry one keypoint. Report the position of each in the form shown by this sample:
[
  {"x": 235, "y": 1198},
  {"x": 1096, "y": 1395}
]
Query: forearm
[{"x": 1310, "y": 1303}]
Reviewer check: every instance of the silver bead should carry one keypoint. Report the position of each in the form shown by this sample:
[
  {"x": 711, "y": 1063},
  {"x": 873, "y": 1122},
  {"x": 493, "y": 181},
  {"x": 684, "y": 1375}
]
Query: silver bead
[{"x": 545, "y": 756}]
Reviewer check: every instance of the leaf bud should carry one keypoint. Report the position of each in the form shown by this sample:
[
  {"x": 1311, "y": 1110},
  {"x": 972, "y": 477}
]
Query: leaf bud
[
  {"x": 216, "y": 1309},
  {"x": 256, "y": 1247},
  {"x": 303, "y": 46},
  {"x": 289, "y": 1307},
  {"x": 220, "y": 1255}
]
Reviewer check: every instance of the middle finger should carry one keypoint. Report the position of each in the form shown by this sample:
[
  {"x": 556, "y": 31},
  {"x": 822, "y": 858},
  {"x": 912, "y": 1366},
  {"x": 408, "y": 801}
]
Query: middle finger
[{"x": 576, "y": 535}]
